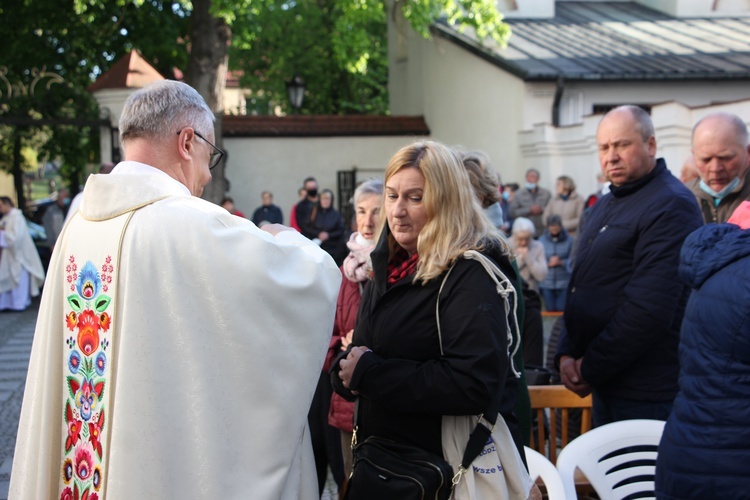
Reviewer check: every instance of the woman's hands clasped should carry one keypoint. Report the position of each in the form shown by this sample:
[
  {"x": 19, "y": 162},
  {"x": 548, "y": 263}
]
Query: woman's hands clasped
[{"x": 348, "y": 365}]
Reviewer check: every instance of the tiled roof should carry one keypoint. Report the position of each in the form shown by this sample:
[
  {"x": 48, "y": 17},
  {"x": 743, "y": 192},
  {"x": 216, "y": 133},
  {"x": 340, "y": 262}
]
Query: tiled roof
[
  {"x": 322, "y": 126},
  {"x": 132, "y": 71},
  {"x": 618, "y": 41}
]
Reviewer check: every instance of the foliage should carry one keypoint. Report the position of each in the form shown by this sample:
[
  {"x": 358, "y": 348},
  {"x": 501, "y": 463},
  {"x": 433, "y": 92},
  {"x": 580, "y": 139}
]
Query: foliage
[
  {"x": 337, "y": 46},
  {"x": 480, "y": 15},
  {"x": 73, "y": 42}
]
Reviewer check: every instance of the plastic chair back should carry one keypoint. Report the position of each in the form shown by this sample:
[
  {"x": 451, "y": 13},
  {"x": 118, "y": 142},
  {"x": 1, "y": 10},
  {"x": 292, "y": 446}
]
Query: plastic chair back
[
  {"x": 619, "y": 459},
  {"x": 541, "y": 467}
]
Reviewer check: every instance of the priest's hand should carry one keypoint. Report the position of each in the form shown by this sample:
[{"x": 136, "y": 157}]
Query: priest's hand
[
  {"x": 570, "y": 373},
  {"x": 349, "y": 364},
  {"x": 275, "y": 229}
]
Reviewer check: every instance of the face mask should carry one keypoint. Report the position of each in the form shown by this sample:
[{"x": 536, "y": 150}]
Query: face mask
[
  {"x": 312, "y": 193},
  {"x": 531, "y": 186},
  {"x": 718, "y": 195},
  {"x": 66, "y": 201},
  {"x": 506, "y": 195}
]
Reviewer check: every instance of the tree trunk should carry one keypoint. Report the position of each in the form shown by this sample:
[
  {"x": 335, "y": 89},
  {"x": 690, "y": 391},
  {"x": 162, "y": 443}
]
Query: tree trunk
[
  {"x": 16, "y": 170},
  {"x": 206, "y": 72}
]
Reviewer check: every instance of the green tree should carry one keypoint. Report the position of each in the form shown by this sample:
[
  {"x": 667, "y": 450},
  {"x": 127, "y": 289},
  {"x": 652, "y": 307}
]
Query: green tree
[
  {"x": 337, "y": 46},
  {"x": 51, "y": 53}
]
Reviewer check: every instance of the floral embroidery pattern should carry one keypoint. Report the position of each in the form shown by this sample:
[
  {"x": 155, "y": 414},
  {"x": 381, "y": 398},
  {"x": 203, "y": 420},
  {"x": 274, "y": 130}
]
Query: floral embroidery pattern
[{"x": 87, "y": 318}]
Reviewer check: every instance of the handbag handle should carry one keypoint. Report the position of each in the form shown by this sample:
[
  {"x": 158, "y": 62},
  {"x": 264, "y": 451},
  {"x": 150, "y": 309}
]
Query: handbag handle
[{"x": 482, "y": 432}]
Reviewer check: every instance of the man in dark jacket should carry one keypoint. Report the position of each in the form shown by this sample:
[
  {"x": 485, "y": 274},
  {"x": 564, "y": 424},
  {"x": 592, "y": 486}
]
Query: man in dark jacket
[
  {"x": 722, "y": 156},
  {"x": 267, "y": 212},
  {"x": 307, "y": 209},
  {"x": 625, "y": 303}
]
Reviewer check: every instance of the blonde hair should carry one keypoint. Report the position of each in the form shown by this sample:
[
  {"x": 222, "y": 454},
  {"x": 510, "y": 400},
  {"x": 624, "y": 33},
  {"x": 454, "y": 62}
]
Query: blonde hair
[{"x": 455, "y": 220}]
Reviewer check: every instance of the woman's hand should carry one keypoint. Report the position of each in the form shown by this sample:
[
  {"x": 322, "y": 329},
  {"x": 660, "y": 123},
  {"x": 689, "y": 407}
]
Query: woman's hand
[{"x": 349, "y": 364}]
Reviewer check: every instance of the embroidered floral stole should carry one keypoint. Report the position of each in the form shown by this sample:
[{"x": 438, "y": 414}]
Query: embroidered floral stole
[{"x": 91, "y": 266}]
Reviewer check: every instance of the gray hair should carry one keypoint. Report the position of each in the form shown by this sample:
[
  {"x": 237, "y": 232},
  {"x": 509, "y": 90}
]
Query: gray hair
[
  {"x": 642, "y": 119},
  {"x": 370, "y": 186},
  {"x": 523, "y": 225},
  {"x": 739, "y": 126},
  {"x": 163, "y": 108}
]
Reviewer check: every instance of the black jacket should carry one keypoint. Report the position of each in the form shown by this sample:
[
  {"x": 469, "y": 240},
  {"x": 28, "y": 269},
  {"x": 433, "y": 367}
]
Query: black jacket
[
  {"x": 625, "y": 302},
  {"x": 405, "y": 385},
  {"x": 270, "y": 213}
]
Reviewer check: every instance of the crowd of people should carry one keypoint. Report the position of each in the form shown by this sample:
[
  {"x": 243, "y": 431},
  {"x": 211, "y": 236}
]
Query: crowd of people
[{"x": 257, "y": 376}]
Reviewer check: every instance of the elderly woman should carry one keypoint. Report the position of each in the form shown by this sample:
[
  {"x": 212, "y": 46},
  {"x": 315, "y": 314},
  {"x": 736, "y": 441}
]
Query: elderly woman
[
  {"x": 529, "y": 253},
  {"x": 368, "y": 198},
  {"x": 567, "y": 204},
  {"x": 407, "y": 369},
  {"x": 558, "y": 248}
]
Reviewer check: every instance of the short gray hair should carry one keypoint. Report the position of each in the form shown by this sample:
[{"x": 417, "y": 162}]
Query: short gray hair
[
  {"x": 739, "y": 126},
  {"x": 370, "y": 186},
  {"x": 523, "y": 225},
  {"x": 163, "y": 108}
]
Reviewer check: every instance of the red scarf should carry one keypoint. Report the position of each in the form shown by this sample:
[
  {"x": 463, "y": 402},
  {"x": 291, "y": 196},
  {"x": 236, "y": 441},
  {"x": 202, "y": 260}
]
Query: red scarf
[{"x": 401, "y": 266}]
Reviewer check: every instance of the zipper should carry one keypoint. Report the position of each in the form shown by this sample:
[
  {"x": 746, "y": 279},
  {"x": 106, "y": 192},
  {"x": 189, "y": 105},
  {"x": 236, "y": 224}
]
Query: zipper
[{"x": 378, "y": 467}]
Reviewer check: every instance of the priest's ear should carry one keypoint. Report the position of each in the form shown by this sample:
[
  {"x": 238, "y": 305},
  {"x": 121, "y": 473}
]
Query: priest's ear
[{"x": 186, "y": 143}]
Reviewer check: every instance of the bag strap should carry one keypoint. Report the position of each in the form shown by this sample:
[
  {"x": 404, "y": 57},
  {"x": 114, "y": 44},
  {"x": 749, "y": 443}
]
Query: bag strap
[{"x": 482, "y": 432}]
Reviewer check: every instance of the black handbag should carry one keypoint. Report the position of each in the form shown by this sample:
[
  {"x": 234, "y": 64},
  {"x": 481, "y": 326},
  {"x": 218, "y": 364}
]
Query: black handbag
[{"x": 384, "y": 469}]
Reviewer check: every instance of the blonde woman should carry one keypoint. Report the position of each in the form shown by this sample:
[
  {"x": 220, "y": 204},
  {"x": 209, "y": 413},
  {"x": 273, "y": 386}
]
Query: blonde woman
[{"x": 405, "y": 385}]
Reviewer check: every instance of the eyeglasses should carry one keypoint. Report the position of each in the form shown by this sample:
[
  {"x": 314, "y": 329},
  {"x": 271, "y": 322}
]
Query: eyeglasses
[{"x": 216, "y": 156}]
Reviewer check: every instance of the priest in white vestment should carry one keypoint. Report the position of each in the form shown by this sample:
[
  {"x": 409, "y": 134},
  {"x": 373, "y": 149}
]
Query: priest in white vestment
[
  {"x": 177, "y": 347},
  {"x": 21, "y": 270}
]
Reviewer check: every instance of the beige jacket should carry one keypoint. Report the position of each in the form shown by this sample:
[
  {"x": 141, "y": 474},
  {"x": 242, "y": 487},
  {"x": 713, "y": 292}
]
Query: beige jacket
[{"x": 569, "y": 210}]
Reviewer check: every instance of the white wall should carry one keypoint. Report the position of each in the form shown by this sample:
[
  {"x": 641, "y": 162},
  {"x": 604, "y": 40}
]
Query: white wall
[
  {"x": 580, "y": 97},
  {"x": 466, "y": 101},
  {"x": 280, "y": 165},
  {"x": 6, "y": 186},
  {"x": 114, "y": 101},
  {"x": 699, "y": 8},
  {"x": 572, "y": 150}
]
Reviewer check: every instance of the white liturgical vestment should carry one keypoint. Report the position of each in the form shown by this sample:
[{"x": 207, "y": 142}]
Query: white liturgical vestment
[
  {"x": 21, "y": 270},
  {"x": 176, "y": 352}
]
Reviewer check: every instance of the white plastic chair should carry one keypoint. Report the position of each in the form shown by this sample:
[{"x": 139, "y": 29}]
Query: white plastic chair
[
  {"x": 618, "y": 459},
  {"x": 541, "y": 467}
]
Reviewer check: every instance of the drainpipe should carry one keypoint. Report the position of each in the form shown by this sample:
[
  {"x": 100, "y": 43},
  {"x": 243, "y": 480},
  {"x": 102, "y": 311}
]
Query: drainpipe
[{"x": 559, "y": 89}]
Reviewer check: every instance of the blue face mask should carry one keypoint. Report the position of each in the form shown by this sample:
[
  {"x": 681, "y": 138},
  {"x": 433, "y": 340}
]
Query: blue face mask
[
  {"x": 531, "y": 186},
  {"x": 718, "y": 195},
  {"x": 66, "y": 201},
  {"x": 506, "y": 195}
]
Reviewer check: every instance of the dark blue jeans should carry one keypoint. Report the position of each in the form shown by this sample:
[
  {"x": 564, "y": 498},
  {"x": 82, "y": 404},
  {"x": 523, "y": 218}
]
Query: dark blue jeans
[
  {"x": 554, "y": 300},
  {"x": 609, "y": 409}
]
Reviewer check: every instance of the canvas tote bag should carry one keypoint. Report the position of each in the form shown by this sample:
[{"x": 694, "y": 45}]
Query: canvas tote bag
[{"x": 498, "y": 473}]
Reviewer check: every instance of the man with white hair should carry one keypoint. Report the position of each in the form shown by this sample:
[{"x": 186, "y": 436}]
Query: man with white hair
[
  {"x": 722, "y": 155},
  {"x": 156, "y": 372}
]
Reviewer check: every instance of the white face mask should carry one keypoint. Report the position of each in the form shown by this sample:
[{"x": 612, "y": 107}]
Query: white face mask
[{"x": 531, "y": 186}]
